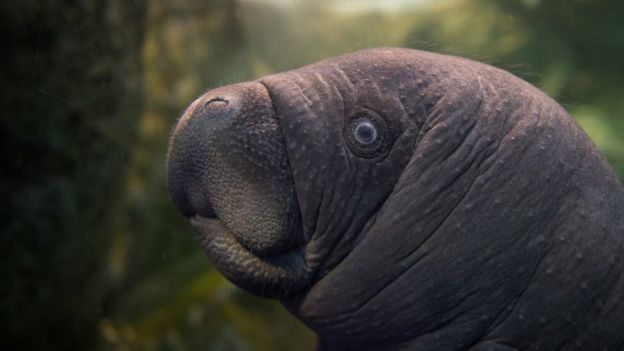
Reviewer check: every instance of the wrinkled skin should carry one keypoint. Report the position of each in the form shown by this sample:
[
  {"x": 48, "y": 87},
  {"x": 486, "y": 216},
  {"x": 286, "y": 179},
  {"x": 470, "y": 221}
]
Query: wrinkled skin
[{"x": 483, "y": 218}]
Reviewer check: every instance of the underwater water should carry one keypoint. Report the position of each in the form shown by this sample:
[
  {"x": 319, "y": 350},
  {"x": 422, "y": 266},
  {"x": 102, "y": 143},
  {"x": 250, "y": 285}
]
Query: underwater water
[{"x": 96, "y": 256}]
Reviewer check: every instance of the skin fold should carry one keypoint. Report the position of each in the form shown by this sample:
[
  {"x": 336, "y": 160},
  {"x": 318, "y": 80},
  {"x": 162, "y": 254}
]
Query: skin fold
[{"x": 481, "y": 217}]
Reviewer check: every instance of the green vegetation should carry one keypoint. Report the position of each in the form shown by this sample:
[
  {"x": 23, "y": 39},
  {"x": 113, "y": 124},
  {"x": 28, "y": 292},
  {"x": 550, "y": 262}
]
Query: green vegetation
[{"x": 96, "y": 257}]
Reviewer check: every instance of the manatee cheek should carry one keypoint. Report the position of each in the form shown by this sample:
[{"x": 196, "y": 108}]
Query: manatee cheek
[{"x": 227, "y": 160}]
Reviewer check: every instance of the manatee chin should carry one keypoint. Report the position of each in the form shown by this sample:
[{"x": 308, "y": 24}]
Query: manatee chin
[{"x": 229, "y": 174}]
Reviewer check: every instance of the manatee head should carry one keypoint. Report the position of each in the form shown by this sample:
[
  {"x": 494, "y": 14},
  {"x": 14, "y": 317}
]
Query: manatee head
[
  {"x": 398, "y": 199},
  {"x": 280, "y": 176}
]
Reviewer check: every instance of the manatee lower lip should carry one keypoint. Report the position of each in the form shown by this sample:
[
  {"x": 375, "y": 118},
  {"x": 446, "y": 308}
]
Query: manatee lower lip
[{"x": 276, "y": 276}]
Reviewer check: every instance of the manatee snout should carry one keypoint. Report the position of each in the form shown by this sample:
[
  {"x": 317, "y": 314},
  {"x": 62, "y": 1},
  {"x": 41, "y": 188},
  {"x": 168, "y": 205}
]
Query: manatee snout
[{"x": 227, "y": 163}]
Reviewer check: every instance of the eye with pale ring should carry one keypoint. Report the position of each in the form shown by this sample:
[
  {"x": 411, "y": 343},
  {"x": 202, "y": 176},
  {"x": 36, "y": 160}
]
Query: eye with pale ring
[{"x": 365, "y": 133}]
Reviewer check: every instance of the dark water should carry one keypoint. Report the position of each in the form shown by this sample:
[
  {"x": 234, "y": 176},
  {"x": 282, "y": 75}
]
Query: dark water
[{"x": 94, "y": 256}]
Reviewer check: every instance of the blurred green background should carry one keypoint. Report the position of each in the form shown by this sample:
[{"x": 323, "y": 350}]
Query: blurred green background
[{"x": 94, "y": 256}]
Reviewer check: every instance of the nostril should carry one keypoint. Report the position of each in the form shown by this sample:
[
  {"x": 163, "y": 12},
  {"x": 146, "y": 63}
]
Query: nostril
[{"x": 217, "y": 103}]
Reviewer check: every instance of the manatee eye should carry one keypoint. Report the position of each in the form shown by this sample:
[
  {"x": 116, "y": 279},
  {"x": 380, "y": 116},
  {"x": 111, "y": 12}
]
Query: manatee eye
[{"x": 365, "y": 133}]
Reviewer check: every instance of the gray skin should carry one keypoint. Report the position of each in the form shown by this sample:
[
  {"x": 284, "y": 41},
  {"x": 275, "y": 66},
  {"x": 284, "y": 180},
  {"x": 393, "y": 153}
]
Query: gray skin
[{"x": 481, "y": 218}]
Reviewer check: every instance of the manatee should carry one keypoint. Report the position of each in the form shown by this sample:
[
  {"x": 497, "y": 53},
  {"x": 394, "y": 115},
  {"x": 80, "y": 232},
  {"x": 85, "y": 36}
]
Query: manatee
[{"x": 395, "y": 199}]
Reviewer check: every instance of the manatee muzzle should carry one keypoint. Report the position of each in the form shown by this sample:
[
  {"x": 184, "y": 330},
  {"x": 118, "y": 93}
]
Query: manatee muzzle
[{"x": 229, "y": 173}]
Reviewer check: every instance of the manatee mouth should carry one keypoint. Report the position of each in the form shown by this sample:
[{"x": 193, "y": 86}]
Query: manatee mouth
[
  {"x": 229, "y": 174},
  {"x": 275, "y": 276}
]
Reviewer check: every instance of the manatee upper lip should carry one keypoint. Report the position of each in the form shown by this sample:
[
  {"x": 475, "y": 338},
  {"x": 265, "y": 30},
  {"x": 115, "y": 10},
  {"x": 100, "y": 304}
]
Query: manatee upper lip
[{"x": 199, "y": 220}]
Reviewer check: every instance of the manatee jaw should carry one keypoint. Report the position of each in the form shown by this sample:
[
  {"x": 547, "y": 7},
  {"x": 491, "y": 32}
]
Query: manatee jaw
[{"x": 229, "y": 174}]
